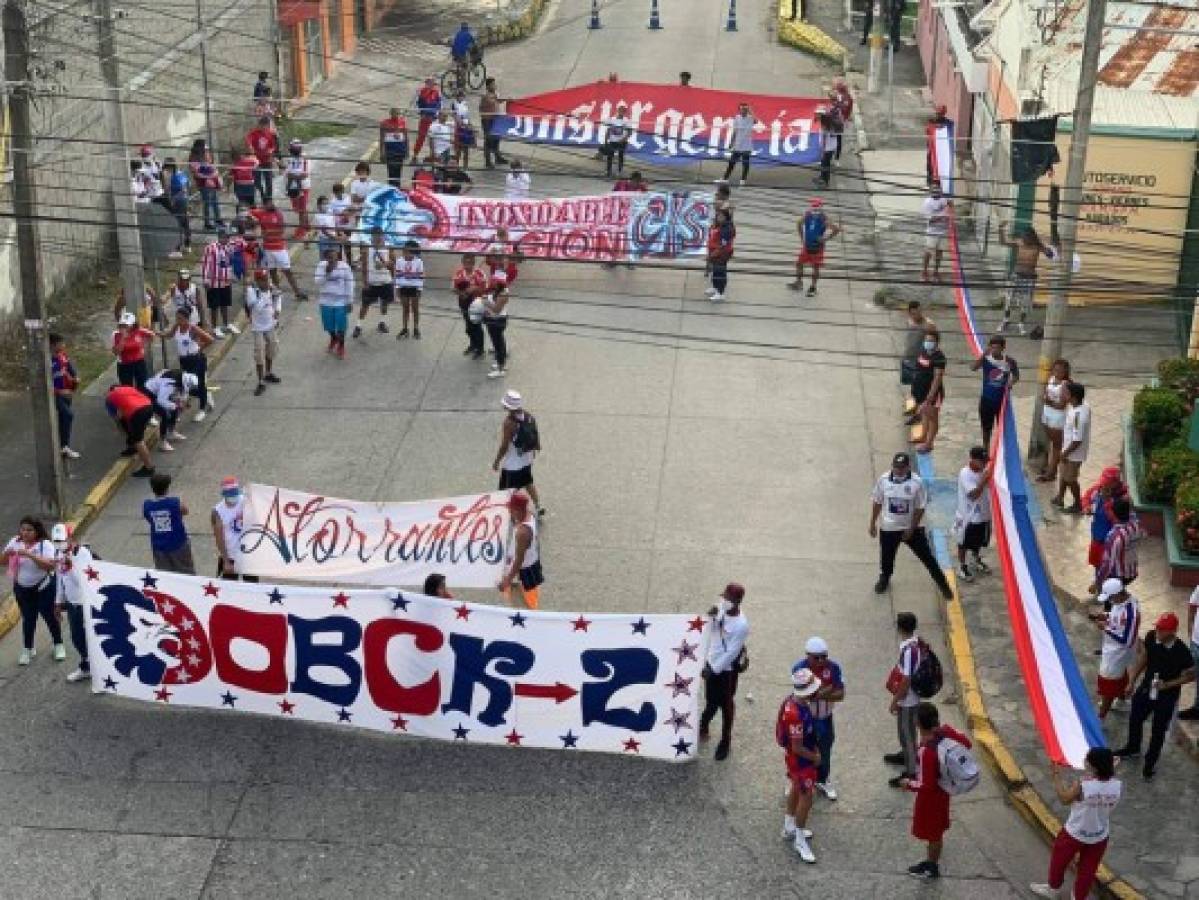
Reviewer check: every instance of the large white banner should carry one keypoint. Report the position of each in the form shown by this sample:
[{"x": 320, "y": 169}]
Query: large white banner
[
  {"x": 399, "y": 663},
  {"x": 306, "y": 537}
]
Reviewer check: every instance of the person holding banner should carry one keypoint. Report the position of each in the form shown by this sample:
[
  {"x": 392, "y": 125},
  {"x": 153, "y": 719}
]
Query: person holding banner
[
  {"x": 525, "y": 564},
  {"x": 435, "y": 587},
  {"x": 71, "y": 559},
  {"x": 727, "y": 658},
  {"x": 227, "y": 523}
]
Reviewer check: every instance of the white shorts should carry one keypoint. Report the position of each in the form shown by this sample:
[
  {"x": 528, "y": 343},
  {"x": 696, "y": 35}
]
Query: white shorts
[
  {"x": 276, "y": 259},
  {"x": 934, "y": 242},
  {"x": 1053, "y": 418}
]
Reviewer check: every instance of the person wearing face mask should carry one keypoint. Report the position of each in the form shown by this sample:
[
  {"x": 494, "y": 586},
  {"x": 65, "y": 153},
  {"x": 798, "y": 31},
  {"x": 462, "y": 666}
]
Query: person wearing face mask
[
  {"x": 1167, "y": 665},
  {"x": 727, "y": 659},
  {"x": 1000, "y": 373},
  {"x": 972, "y": 521},
  {"x": 928, "y": 386},
  {"x": 227, "y": 519},
  {"x": 830, "y": 691},
  {"x": 71, "y": 559},
  {"x": 1085, "y": 834},
  {"x": 897, "y": 508}
]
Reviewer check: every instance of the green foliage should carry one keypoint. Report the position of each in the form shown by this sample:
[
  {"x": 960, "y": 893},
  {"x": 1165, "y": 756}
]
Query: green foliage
[
  {"x": 1186, "y": 509},
  {"x": 1168, "y": 466},
  {"x": 1158, "y": 414},
  {"x": 1180, "y": 376}
]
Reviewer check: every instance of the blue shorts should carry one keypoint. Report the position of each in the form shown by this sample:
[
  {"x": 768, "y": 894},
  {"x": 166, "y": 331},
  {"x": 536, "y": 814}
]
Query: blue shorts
[{"x": 335, "y": 319}]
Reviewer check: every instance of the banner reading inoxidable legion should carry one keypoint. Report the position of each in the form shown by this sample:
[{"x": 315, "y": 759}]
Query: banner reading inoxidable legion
[
  {"x": 399, "y": 663},
  {"x": 308, "y": 537}
]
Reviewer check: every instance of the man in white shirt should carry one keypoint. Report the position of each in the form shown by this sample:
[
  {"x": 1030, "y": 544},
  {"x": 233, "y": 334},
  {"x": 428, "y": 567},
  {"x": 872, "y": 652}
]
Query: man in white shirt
[
  {"x": 972, "y": 520},
  {"x": 727, "y": 658},
  {"x": 616, "y": 141},
  {"x": 1076, "y": 444},
  {"x": 1120, "y": 624},
  {"x": 936, "y": 230},
  {"x": 741, "y": 147},
  {"x": 263, "y": 303},
  {"x": 898, "y": 503},
  {"x": 441, "y": 137},
  {"x": 516, "y": 182}
]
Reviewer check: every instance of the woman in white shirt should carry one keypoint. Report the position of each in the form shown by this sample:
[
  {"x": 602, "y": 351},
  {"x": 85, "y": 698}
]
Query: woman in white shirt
[
  {"x": 298, "y": 180},
  {"x": 1086, "y": 831},
  {"x": 495, "y": 320},
  {"x": 1053, "y": 416},
  {"x": 620, "y": 129},
  {"x": 30, "y": 560},
  {"x": 190, "y": 343},
  {"x": 517, "y": 182},
  {"x": 335, "y": 286}
]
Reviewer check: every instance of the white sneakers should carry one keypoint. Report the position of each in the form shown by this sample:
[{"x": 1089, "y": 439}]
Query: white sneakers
[
  {"x": 802, "y": 848},
  {"x": 26, "y": 656},
  {"x": 60, "y": 652},
  {"x": 709, "y": 292},
  {"x": 1044, "y": 890},
  {"x": 78, "y": 675},
  {"x": 70, "y": 454},
  {"x": 233, "y": 329},
  {"x": 497, "y": 372},
  {"x": 826, "y": 788},
  {"x": 716, "y": 297},
  {"x": 165, "y": 446},
  {"x": 176, "y": 436},
  {"x": 789, "y": 833},
  {"x": 218, "y": 333}
]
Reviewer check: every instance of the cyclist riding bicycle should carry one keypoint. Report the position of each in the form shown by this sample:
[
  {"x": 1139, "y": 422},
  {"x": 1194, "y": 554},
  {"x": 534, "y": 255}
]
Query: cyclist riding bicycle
[{"x": 462, "y": 48}]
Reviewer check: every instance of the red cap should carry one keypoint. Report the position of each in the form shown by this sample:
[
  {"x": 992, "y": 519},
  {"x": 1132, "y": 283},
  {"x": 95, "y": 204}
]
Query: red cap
[
  {"x": 816, "y": 202},
  {"x": 1110, "y": 475},
  {"x": 1167, "y": 622},
  {"x": 733, "y": 592}
]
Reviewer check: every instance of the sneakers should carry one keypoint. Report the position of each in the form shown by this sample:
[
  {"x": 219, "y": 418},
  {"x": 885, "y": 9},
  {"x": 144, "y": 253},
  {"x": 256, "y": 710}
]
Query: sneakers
[
  {"x": 497, "y": 372},
  {"x": 1044, "y": 890},
  {"x": 416, "y": 334},
  {"x": 964, "y": 572},
  {"x": 176, "y": 436},
  {"x": 79, "y": 675},
  {"x": 710, "y": 292},
  {"x": 1127, "y": 752},
  {"x": 982, "y": 567},
  {"x": 143, "y": 472},
  {"x": 880, "y": 586},
  {"x": 894, "y": 759},
  {"x": 946, "y": 590},
  {"x": 722, "y": 751},
  {"x": 741, "y": 183},
  {"x": 200, "y": 415},
  {"x": 260, "y": 389},
  {"x": 60, "y": 652},
  {"x": 175, "y": 254},
  {"x": 233, "y": 329},
  {"x": 926, "y": 870},
  {"x": 826, "y": 788},
  {"x": 403, "y": 334},
  {"x": 272, "y": 378},
  {"x": 541, "y": 513},
  {"x": 897, "y": 781},
  {"x": 811, "y": 291},
  {"x": 1020, "y": 328},
  {"x": 25, "y": 658},
  {"x": 70, "y": 454},
  {"x": 717, "y": 297},
  {"x": 357, "y": 332},
  {"x": 165, "y": 446},
  {"x": 803, "y": 849},
  {"x": 381, "y": 328},
  {"x": 218, "y": 333},
  {"x": 789, "y": 833}
]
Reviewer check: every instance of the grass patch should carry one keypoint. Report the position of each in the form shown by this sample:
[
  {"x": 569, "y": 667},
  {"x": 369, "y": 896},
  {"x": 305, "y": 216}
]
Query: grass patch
[{"x": 306, "y": 130}]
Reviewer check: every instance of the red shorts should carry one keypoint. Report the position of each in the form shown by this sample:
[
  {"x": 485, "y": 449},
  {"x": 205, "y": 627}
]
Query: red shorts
[
  {"x": 1095, "y": 554},
  {"x": 802, "y": 774},
  {"x": 1111, "y": 688},
  {"x": 300, "y": 203},
  {"x": 815, "y": 257}
]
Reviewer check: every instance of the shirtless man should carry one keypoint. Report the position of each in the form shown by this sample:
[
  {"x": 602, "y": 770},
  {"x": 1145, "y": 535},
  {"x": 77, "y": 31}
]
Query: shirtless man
[{"x": 1029, "y": 250}]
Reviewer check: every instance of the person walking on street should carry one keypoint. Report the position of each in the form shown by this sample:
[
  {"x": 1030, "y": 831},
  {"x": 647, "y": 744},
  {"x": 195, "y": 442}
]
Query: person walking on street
[
  {"x": 263, "y": 142},
  {"x": 378, "y": 281},
  {"x": 1029, "y": 250},
  {"x": 1097, "y": 503},
  {"x": 216, "y": 271},
  {"x": 129, "y": 344},
  {"x": 132, "y": 410},
  {"x": 1085, "y": 833},
  {"x": 65, "y": 382},
  {"x": 741, "y": 145},
  {"x": 335, "y": 296},
  {"x": 30, "y": 560},
  {"x": 428, "y": 105},
  {"x": 1120, "y": 625},
  {"x": 263, "y": 304},
  {"x": 936, "y": 231},
  {"x": 1076, "y": 444},
  {"x": 727, "y": 659},
  {"x": 525, "y": 565},
  {"x": 169, "y": 541},
  {"x": 930, "y": 813},
  {"x": 721, "y": 238},
  {"x": 227, "y": 521},
  {"x": 903, "y": 699},
  {"x": 71, "y": 560},
  {"x": 1166, "y": 664},
  {"x": 1119, "y": 558},
  {"x": 495, "y": 320},
  {"x": 520, "y": 443},
  {"x": 815, "y": 231},
  {"x": 489, "y": 112},
  {"x": 276, "y": 257},
  {"x": 1000, "y": 374},
  {"x": 470, "y": 283},
  {"x": 831, "y": 690},
  {"x": 972, "y": 520},
  {"x": 393, "y": 146},
  {"x": 795, "y": 729},
  {"x": 897, "y": 507},
  {"x": 409, "y": 283},
  {"x": 913, "y": 342},
  {"x": 829, "y": 140},
  {"x": 1191, "y": 714},
  {"x": 928, "y": 387},
  {"x": 1055, "y": 402}
]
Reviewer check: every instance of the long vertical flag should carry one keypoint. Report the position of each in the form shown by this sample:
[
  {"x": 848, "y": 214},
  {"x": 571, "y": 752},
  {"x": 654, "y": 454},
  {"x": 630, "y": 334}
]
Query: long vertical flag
[{"x": 1062, "y": 710}]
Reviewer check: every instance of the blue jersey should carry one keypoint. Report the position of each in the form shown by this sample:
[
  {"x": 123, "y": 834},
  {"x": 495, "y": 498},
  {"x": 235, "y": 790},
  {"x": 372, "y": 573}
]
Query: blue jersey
[
  {"x": 997, "y": 376},
  {"x": 814, "y": 226},
  {"x": 463, "y": 41},
  {"x": 179, "y": 182},
  {"x": 165, "y": 515},
  {"x": 828, "y": 672}
]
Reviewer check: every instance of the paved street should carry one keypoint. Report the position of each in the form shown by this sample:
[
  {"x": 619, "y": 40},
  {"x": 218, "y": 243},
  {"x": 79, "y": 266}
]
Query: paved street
[{"x": 686, "y": 445}]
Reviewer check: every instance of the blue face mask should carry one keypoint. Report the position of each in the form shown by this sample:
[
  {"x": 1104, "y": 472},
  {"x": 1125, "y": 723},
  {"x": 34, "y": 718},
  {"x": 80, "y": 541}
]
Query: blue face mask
[{"x": 930, "y": 346}]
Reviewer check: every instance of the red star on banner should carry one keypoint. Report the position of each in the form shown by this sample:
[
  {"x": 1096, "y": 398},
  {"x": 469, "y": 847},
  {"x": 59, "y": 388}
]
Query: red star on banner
[
  {"x": 286, "y": 706},
  {"x": 92, "y": 574},
  {"x": 342, "y": 599},
  {"x": 696, "y": 624},
  {"x": 580, "y": 624},
  {"x": 463, "y": 611},
  {"x": 211, "y": 590},
  {"x": 163, "y": 694},
  {"x": 399, "y": 723},
  {"x": 632, "y": 745},
  {"x": 513, "y": 738}
]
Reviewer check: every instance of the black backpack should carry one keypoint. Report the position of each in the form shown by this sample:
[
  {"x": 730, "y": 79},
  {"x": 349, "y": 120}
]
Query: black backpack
[
  {"x": 526, "y": 439},
  {"x": 927, "y": 677}
]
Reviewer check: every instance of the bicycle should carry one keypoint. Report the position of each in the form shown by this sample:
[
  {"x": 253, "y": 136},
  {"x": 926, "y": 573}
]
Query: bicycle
[{"x": 468, "y": 75}]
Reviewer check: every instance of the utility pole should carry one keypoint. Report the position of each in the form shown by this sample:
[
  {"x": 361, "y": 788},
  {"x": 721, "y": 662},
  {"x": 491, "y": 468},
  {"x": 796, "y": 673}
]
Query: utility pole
[
  {"x": 204, "y": 76},
  {"x": 124, "y": 211},
  {"x": 877, "y": 29},
  {"x": 50, "y": 481},
  {"x": 1055, "y": 313}
]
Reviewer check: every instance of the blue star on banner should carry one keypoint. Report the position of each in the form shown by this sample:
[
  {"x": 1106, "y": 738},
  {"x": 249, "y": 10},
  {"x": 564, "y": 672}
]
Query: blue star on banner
[
  {"x": 344, "y": 715},
  {"x": 570, "y": 740},
  {"x": 640, "y": 626},
  {"x": 460, "y": 733},
  {"x": 109, "y": 684},
  {"x": 682, "y": 748},
  {"x": 399, "y": 602},
  {"x": 679, "y": 720},
  {"x": 518, "y": 620},
  {"x": 679, "y": 685},
  {"x": 685, "y": 651},
  {"x": 149, "y": 581},
  {"x": 228, "y": 699},
  {"x": 275, "y": 596}
]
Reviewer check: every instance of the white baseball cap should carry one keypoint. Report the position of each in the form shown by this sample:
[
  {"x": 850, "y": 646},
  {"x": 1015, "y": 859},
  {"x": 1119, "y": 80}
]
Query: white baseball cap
[
  {"x": 127, "y": 318},
  {"x": 816, "y": 646},
  {"x": 512, "y": 400},
  {"x": 1110, "y": 588},
  {"x": 804, "y": 683}
]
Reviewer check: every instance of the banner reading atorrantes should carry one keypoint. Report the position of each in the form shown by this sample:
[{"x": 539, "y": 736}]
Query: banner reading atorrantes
[
  {"x": 670, "y": 123},
  {"x": 616, "y": 226},
  {"x": 308, "y": 537},
  {"x": 399, "y": 663}
]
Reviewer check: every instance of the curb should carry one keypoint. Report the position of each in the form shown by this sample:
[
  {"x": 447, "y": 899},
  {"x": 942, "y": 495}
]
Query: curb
[
  {"x": 807, "y": 37},
  {"x": 1022, "y": 795}
]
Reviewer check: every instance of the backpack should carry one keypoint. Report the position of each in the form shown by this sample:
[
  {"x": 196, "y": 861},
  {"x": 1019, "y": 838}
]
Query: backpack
[
  {"x": 526, "y": 439},
  {"x": 957, "y": 769},
  {"x": 927, "y": 678}
]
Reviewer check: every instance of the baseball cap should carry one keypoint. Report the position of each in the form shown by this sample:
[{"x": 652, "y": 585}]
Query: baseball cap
[
  {"x": 804, "y": 683},
  {"x": 979, "y": 453},
  {"x": 816, "y": 202},
  {"x": 512, "y": 400},
  {"x": 900, "y": 459},
  {"x": 1110, "y": 475},
  {"x": 733, "y": 592},
  {"x": 1109, "y": 589},
  {"x": 230, "y": 485},
  {"x": 817, "y": 646},
  {"x": 1166, "y": 622},
  {"x": 127, "y": 319}
]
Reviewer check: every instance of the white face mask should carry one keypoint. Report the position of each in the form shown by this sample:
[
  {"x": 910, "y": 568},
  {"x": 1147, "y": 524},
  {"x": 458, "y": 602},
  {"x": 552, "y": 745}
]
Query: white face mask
[
  {"x": 930, "y": 346},
  {"x": 232, "y": 501}
]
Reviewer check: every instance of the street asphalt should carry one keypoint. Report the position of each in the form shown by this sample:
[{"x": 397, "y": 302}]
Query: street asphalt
[{"x": 685, "y": 446}]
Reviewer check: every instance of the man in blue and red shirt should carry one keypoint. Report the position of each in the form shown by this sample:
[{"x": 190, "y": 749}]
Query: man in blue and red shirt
[
  {"x": 795, "y": 731},
  {"x": 66, "y": 380},
  {"x": 428, "y": 102},
  {"x": 832, "y": 690}
]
